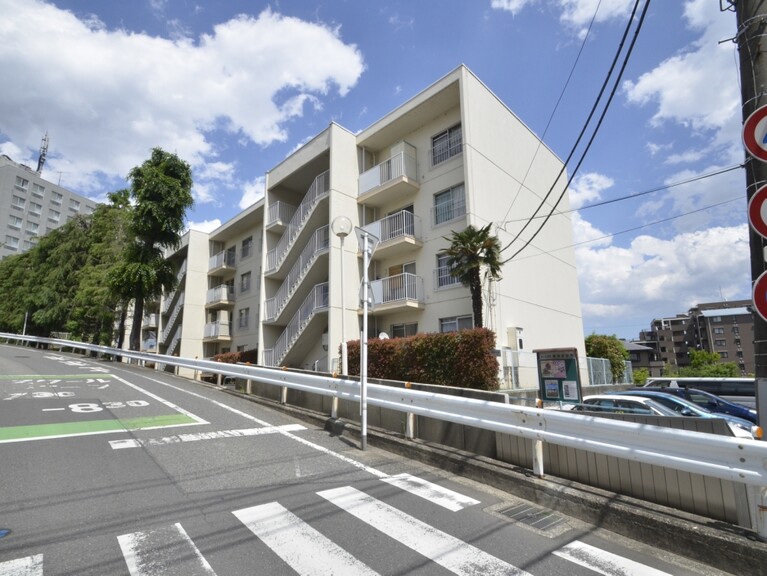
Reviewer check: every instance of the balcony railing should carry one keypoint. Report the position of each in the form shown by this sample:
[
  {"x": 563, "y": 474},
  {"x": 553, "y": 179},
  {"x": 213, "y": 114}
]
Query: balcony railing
[
  {"x": 317, "y": 191},
  {"x": 221, "y": 293},
  {"x": 402, "y": 224},
  {"x": 397, "y": 166},
  {"x": 149, "y": 321},
  {"x": 218, "y": 329},
  {"x": 225, "y": 258},
  {"x": 315, "y": 301},
  {"x": 400, "y": 287},
  {"x": 319, "y": 243},
  {"x": 280, "y": 212}
]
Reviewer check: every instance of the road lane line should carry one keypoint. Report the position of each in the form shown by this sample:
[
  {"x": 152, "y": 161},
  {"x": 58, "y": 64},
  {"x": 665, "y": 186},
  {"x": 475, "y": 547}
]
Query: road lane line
[
  {"x": 166, "y": 551},
  {"x": 161, "y": 400},
  {"x": 604, "y": 562},
  {"x": 302, "y": 547},
  {"x": 29, "y": 566},
  {"x": 444, "y": 497},
  {"x": 448, "y": 551},
  {"x": 213, "y": 435}
]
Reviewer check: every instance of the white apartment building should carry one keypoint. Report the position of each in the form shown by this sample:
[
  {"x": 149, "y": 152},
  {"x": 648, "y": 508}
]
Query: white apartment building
[
  {"x": 280, "y": 280},
  {"x": 31, "y": 206}
]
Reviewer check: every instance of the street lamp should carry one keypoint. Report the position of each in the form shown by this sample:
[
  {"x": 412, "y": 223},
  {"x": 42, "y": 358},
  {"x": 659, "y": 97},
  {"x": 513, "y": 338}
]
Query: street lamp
[{"x": 341, "y": 227}]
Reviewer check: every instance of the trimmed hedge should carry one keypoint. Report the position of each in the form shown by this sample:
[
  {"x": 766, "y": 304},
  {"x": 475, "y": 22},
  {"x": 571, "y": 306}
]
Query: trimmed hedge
[
  {"x": 464, "y": 359},
  {"x": 246, "y": 356}
]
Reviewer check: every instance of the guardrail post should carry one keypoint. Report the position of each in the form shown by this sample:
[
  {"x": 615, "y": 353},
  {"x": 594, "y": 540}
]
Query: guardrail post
[
  {"x": 284, "y": 395},
  {"x": 409, "y": 425},
  {"x": 757, "y": 505},
  {"x": 249, "y": 386},
  {"x": 218, "y": 379},
  {"x": 538, "y": 458},
  {"x": 334, "y": 407}
]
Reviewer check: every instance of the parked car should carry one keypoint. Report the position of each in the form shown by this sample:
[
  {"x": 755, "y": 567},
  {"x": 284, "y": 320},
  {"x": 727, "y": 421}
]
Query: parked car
[
  {"x": 709, "y": 401},
  {"x": 622, "y": 405},
  {"x": 740, "y": 427},
  {"x": 740, "y": 390}
]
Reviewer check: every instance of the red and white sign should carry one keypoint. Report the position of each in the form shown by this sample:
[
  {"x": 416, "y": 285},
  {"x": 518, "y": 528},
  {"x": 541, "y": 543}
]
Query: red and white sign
[
  {"x": 755, "y": 132},
  {"x": 757, "y": 211},
  {"x": 759, "y": 295}
]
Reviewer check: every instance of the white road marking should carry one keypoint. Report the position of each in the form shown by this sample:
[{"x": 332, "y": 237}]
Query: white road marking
[
  {"x": 604, "y": 562},
  {"x": 302, "y": 547},
  {"x": 53, "y": 409},
  {"x": 161, "y": 400},
  {"x": 213, "y": 435},
  {"x": 446, "y": 550},
  {"x": 29, "y": 566},
  {"x": 432, "y": 492},
  {"x": 166, "y": 551}
]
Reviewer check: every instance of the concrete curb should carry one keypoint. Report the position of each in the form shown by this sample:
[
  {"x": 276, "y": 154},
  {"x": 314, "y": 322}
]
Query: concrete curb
[{"x": 723, "y": 546}]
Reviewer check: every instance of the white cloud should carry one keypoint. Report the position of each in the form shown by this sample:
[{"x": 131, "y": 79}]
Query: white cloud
[
  {"x": 107, "y": 97},
  {"x": 587, "y": 188},
  {"x": 513, "y": 6},
  {"x": 205, "y": 225},
  {"x": 252, "y": 192}
]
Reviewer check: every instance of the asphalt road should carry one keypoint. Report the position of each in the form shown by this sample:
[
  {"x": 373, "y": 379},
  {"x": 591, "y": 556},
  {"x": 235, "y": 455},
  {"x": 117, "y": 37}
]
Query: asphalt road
[{"x": 111, "y": 469}]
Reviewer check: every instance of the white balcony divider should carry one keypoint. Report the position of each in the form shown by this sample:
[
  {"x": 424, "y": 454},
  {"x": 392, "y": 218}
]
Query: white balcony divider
[
  {"x": 317, "y": 191},
  {"x": 318, "y": 243},
  {"x": 399, "y": 225},
  {"x": 223, "y": 258},
  {"x": 281, "y": 211},
  {"x": 397, "y": 288},
  {"x": 395, "y": 167},
  {"x": 172, "y": 319},
  {"x": 316, "y": 300},
  {"x": 443, "y": 277},
  {"x": 221, "y": 293}
]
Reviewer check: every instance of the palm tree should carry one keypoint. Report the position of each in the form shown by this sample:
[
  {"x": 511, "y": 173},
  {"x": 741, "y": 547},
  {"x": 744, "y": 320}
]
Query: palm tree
[{"x": 469, "y": 251}]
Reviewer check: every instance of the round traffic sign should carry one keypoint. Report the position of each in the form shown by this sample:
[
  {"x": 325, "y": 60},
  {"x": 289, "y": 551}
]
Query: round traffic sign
[
  {"x": 755, "y": 133},
  {"x": 757, "y": 211},
  {"x": 759, "y": 295}
]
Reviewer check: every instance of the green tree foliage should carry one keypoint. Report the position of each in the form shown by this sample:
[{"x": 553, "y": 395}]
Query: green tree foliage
[
  {"x": 610, "y": 348},
  {"x": 161, "y": 193},
  {"x": 640, "y": 376},
  {"x": 470, "y": 251},
  {"x": 704, "y": 363}
]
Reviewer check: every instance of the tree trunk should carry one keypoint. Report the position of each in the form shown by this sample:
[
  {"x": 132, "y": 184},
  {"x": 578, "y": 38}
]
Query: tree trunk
[
  {"x": 475, "y": 288},
  {"x": 135, "y": 331}
]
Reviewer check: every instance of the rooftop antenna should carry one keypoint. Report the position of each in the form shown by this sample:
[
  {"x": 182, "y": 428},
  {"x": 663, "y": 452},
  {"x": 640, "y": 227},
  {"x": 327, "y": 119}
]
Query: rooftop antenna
[{"x": 43, "y": 154}]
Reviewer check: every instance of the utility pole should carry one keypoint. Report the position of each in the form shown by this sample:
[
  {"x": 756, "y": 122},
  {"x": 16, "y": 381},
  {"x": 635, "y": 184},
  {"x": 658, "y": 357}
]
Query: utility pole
[{"x": 751, "y": 40}]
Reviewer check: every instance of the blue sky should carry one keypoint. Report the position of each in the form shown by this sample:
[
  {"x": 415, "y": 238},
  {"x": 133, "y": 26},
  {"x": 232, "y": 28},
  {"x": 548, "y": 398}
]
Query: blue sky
[{"x": 234, "y": 86}]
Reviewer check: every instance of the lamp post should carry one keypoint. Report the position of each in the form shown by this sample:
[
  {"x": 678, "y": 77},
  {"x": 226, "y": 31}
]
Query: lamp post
[
  {"x": 341, "y": 227},
  {"x": 368, "y": 243}
]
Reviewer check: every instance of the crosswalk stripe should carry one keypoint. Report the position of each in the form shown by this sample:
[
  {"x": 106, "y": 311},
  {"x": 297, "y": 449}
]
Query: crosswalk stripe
[
  {"x": 29, "y": 566},
  {"x": 302, "y": 547},
  {"x": 432, "y": 492},
  {"x": 446, "y": 550},
  {"x": 212, "y": 435},
  {"x": 165, "y": 551},
  {"x": 604, "y": 562}
]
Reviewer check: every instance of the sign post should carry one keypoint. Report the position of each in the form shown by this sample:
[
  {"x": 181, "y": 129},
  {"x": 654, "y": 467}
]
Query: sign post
[{"x": 559, "y": 376}]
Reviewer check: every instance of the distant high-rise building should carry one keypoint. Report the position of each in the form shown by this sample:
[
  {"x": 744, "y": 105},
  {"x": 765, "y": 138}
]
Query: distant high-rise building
[{"x": 31, "y": 206}]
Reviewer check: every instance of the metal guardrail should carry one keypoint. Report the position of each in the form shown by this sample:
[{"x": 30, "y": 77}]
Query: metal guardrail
[{"x": 722, "y": 457}]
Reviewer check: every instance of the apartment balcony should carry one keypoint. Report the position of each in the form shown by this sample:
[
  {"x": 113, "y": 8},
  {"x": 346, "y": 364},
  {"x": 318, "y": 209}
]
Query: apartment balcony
[
  {"x": 222, "y": 264},
  {"x": 279, "y": 216},
  {"x": 392, "y": 181},
  {"x": 149, "y": 322},
  {"x": 222, "y": 296},
  {"x": 398, "y": 234},
  {"x": 217, "y": 332},
  {"x": 397, "y": 293}
]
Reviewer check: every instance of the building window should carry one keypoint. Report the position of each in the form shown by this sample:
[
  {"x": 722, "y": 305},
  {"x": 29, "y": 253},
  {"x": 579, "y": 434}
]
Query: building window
[
  {"x": 716, "y": 319},
  {"x": 32, "y": 227},
  {"x": 53, "y": 216},
  {"x": 403, "y": 330},
  {"x": 38, "y": 190},
  {"x": 720, "y": 342},
  {"x": 35, "y": 208},
  {"x": 56, "y": 198},
  {"x": 18, "y": 203},
  {"x": 449, "y": 205},
  {"x": 74, "y": 204},
  {"x": 11, "y": 241},
  {"x": 22, "y": 183},
  {"x": 243, "y": 318},
  {"x": 718, "y": 330},
  {"x": 446, "y": 144},
  {"x": 455, "y": 323},
  {"x": 245, "y": 282},
  {"x": 247, "y": 247},
  {"x": 724, "y": 354},
  {"x": 444, "y": 275},
  {"x": 14, "y": 222}
]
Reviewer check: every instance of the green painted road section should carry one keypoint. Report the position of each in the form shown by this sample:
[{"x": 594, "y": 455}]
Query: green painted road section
[{"x": 40, "y": 431}]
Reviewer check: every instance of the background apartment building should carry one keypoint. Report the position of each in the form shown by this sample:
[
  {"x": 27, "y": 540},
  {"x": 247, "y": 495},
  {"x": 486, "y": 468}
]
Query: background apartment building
[
  {"x": 725, "y": 328},
  {"x": 31, "y": 206},
  {"x": 284, "y": 279}
]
